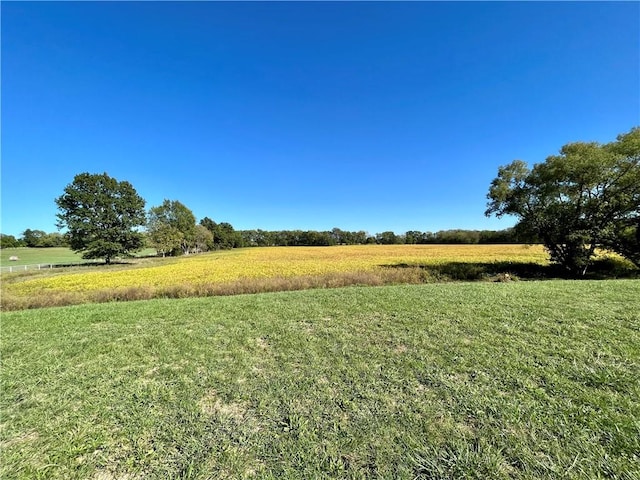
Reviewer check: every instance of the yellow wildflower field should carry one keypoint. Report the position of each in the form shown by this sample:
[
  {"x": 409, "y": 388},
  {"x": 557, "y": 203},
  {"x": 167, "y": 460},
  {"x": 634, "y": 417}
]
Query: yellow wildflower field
[{"x": 271, "y": 262}]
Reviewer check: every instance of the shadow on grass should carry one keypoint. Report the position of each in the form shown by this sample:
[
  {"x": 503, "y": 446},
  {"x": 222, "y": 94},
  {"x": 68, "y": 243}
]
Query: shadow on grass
[
  {"x": 92, "y": 264},
  {"x": 607, "y": 268}
]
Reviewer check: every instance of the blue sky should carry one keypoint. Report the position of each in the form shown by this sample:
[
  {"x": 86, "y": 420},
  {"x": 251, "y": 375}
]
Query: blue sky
[{"x": 364, "y": 116}]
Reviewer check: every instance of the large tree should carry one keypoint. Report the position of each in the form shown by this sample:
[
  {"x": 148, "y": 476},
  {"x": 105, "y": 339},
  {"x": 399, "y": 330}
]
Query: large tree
[
  {"x": 575, "y": 202},
  {"x": 101, "y": 215},
  {"x": 172, "y": 222},
  {"x": 624, "y": 237}
]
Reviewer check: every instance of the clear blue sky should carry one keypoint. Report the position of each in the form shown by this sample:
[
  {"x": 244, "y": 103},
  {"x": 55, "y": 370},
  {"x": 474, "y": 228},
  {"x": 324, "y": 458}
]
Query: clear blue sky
[{"x": 364, "y": 116}]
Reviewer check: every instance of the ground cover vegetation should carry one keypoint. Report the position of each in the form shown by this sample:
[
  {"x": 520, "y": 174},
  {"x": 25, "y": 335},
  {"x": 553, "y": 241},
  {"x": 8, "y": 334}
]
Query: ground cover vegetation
[
  {"x": 58, "y": 257},
  {"x": 266, "y": 269},
  {"x": 519, "y": 380},
  {"x": 34, "y": 256}
]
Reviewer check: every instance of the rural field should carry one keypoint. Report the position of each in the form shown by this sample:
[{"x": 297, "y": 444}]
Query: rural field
[
  {"x": 34, "y": 256},
  {"x": 527, "y": 380},
  {"x": 255, "y": 270},
  {"x": 50, "y": 255},
  {"x": 403, "y": 373}
]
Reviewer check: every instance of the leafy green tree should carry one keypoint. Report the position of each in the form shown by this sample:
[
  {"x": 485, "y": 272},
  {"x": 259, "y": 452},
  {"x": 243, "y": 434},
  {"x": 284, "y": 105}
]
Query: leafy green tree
[
  {"x": 203, "y": 239},
  {"x": 9, "y": 241},
  {"x": 33, "y": 238},
  {"x": 42, "y": 239},
  {"x": 624, "y": 237},
  {"x": 574, "y": 202},
  {"x": 168, "y": 220},
  {"x": 224, "y": 235},
  {"x": 388, "y": 238},
  {"x": 101, "y": 215},
  {"x": 53, "y": 239},
  {"x": 164, "y": 238}
]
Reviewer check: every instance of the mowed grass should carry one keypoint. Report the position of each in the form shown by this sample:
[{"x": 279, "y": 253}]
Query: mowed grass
[
  {"x": 35, "y": 256},
  {"x": 525, "y": 380},
  {"x": 50, "y": 255},
  {"x": 255, "y": 270}
]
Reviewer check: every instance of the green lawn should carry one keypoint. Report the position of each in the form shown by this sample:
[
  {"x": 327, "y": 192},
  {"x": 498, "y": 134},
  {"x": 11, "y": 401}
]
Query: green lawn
[
  {"x": 34, "y": 256},
  {"x": 535, "y": 380},
  {"x": 55, "y": 255}
]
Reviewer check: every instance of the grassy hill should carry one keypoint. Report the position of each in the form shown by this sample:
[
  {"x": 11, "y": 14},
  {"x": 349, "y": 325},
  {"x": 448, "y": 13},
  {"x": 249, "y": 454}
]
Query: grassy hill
[
  {"x": 34, "y": 256},
  {"x": 527, "y": 380},
  {"x": 50, "y": 255}
]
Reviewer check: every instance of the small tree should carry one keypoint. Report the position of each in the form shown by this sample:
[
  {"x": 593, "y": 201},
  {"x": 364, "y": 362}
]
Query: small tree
[
  {"x": 101, "y": 215},
  {"x": 574, "y": 202}
]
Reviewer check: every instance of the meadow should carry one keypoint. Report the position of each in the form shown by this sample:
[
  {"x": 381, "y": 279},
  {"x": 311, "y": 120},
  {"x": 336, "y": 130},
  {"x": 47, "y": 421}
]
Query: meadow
[
  {"x": 512, "y": 380},
  {"x": 34, "y": 256},
  {"x": 255, "y": 270},
  {"x": 50, "y": 255}
]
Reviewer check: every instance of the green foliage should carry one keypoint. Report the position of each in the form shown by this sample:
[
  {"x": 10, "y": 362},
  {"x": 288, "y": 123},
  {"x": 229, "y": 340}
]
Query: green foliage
[
  {"x": 101, "y": 215},
  {"x": 172, "y": 228},
  {"x": 9, "y": 241},
  {"x": 585, "y": 198},
  {"x": 33, "y": 238},
  {"x": 224, "y": 235},
  {"x": 624, "y": 237},
  {"x": 388, "y": 238},
  {"x": 203, "y": 239},
  {"x": 262, "y": 238},
  {"x": 42, "y": 239},
  {"x": 165, "y": 238}
]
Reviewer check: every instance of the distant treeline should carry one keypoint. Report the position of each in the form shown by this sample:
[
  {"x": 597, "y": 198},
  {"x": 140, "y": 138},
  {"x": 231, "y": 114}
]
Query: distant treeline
[
  {"x": 295, "y": 238},
  {"x": 34, "y": 239},
  {"x": 225, "y": 237}
]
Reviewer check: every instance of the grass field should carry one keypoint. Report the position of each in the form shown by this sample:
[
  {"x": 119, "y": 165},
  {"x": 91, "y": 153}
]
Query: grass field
[
  {"x": 265, "y": 269},
  {"x": 34, "y": 256},
  {"x": 524, "y": 380},
  {"x": 51, "y": 255}
]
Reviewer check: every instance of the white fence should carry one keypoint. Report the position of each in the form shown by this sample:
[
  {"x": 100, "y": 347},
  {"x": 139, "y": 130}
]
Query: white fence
[
  {"x": 39, "y": 266},
  {"x": 25, "y": 268}
]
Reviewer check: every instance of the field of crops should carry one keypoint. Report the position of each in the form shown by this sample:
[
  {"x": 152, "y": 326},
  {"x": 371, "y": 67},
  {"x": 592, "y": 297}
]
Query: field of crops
[{"x": 227, "y": 267}]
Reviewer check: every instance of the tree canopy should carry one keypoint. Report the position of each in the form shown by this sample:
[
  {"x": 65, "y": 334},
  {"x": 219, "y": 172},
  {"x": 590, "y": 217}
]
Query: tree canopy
[
  {"x": 585, "y": 198},
  {"x": 101, "y": 215},
  {"x": 224, "y": 235},
  {"x": 172, "y": 228}
]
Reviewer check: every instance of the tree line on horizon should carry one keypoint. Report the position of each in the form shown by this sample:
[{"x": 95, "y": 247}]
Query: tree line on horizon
[
  {"x": 584, "y": 199},
  {"x": 224, "y": 236}
]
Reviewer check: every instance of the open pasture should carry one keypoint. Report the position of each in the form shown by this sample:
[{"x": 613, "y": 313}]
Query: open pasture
[
  {"x": 50, "y": 255},
  {"x": 34, "y": 256},
  {"x": 257, "y": 269},
  {"x": 519, "y": 380}
]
